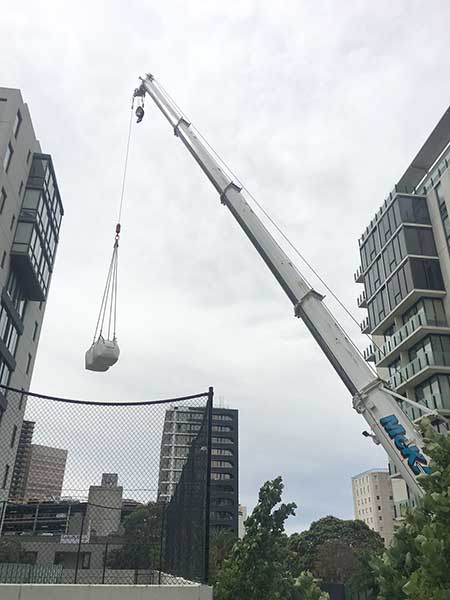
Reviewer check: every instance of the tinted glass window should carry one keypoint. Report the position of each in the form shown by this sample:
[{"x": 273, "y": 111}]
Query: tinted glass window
[
  {"x": 419, "y": 241},
  {"x": 413, "y": 209},
  {"x": 426, "y": 274}
]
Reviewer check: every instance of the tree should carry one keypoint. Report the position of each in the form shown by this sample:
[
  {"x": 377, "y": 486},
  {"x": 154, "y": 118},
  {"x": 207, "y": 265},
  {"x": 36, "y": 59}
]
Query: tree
[
  {"x": 142, "y": 533},
  {"x": 220, "y": 546},
  {"x": 11, "y": 551},
  {"x": 336, "y": 562},
  {"x": 356, "y": 536},
  {"x": 258, "y": 566},
  {"x": 417, "y": 565},
  {"x": 308, "y": 589}
]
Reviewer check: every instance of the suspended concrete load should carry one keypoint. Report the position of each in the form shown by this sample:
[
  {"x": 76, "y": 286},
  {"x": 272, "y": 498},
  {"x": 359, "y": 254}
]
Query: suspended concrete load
[{"x": 104, "y": 352}]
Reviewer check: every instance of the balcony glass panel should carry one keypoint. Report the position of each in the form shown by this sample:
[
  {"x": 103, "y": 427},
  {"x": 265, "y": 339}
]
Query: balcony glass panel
[{"x": 427, "y": 359}]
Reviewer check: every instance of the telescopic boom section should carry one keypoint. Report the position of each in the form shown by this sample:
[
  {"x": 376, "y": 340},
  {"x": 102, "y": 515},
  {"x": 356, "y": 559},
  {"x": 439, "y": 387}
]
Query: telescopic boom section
[{"x": 391, "y": 427}]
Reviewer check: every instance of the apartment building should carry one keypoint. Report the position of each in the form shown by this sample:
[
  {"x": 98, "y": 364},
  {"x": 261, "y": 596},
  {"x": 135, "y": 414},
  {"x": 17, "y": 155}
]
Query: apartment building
[
  {"x": 30, "y": 218},
  {"x": 180, "y": 427},
  {"x": 373, "y": 501},
  {"x": 405, "y": 269}
]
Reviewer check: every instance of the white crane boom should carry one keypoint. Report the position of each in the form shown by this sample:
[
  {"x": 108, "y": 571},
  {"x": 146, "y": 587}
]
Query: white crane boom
[{"x": 390, "y": 426}]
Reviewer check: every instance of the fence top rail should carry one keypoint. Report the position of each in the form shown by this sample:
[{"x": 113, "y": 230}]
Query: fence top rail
[{"x": 97, "y": 403}]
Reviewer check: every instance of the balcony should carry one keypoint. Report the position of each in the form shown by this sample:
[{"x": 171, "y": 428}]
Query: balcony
[
  {"x": 359, "y": 275},
  {"x": 418, "y": 327},
  {"x": 419, "y": 369},
  {"x": 369, "y": 353},
  {"x": 365, "y": 326},
  {"x": 362, "y": 300}
]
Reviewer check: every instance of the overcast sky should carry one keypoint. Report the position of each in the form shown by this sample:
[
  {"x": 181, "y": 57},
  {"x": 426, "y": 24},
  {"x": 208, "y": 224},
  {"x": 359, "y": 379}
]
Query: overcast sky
[{"x": 318, "y": 107}]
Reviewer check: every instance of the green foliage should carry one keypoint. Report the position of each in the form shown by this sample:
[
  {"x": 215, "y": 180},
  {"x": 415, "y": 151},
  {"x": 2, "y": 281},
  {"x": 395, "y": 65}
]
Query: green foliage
[
  {"x": 356, "y": 536},
  {"x": 417, "y": 565},
  {"x": 258, "y": 567},
  {"x": 11, "y": 551},
  {"x": 142, "y": 532},
  {"x": 307, "y": 587},
  {"x": 220, "y": 546}
]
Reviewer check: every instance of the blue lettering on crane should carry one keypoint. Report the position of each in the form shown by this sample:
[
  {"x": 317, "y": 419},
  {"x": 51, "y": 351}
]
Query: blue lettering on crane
[{"x": 416, "y": 460}]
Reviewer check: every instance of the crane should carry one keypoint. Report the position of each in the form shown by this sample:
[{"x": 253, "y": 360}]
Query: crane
[{"x": 376, "y": 402}]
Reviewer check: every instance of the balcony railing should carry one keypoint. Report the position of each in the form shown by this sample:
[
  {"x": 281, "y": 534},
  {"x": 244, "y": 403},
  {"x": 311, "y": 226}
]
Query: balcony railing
[
  {"x": 428, "y": 359},
  {"x": 369, "y": 353},
  {"x": 362, "y": 300},
  {"x": 359, "y": 275},
  {"x": 420, "y": 319},
  {"x": 365, "y": 327}
]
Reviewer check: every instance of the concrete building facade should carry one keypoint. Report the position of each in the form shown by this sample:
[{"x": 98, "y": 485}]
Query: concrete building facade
[
  {"x": 30, "y": 219},
  {"x": 180, "y": 427},
  {"x": 373, "y": 501},
  {"x": 44, "y": 473},
  {"x": 405, "y": 269}
]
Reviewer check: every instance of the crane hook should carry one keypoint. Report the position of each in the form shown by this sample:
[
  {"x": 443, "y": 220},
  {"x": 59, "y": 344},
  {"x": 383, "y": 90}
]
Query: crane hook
[{"x": 139, "y": 114}]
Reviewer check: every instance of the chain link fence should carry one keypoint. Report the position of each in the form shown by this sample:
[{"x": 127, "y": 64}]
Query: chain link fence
[{"x": 105, "y": 492}]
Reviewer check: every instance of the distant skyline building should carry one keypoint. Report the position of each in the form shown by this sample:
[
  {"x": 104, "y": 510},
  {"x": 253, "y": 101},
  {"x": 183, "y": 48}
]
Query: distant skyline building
[
  {"x": 242, "y": 518},
  {"x": 30, "y": 219},
  {"x": 181, "y": 425},
  {"x": 405, "y": 269},
  {"x": 373, "y": 501},
  {"x": 44, "y": 473}
]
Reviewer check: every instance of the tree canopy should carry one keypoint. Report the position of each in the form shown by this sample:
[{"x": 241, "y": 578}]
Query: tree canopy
[
  {"x": 312, "y": 547},
  {"x": 142, "y": 533}
]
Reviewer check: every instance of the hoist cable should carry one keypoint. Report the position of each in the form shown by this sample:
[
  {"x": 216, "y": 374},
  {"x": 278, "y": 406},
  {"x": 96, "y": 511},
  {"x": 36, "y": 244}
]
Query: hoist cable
[
  {"x": 125, "y": 168},
  {"x": 109, "y": 299}
]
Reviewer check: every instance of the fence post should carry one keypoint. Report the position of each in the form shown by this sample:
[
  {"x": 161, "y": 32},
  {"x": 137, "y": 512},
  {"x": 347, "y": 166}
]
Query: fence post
[
  {"x": 105, "y": 558},
  {"x": 161, "y": 540},
  {"x": 208, "y": 482},
  {"x": 3, "y": 515},
  {"x": 79, "y": 546}
]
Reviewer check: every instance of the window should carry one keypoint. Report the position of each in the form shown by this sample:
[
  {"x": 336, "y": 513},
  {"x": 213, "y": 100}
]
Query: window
[
  {"x": 27, "y": 370},
  {"x": 379, "y": 507},
  {"x": 4, "y": 373},
  {"x": 419, "y": 241},
  {"x": 426, "y": 274},
  {"x": 28, "y": 156},
  {"x": 221, "y": 464},
  {"x": 20, "y": 188},
  {"x": 378, "y": 497},
  {"x": 413, "y": 209},
  {"x": 380, "y": 518},
  {"x": 5, "y": 476},
  {"x": 2, "y": 200},
  {"x": 17, "y": 124},
  {"x": 2, "y": 263},
  {"x": 220, "y": 476},
  {"x": 8, "y": 156},
  {"x": 444, "y": 212},
  {"x": 35, "y": 330},
  {"x": 13, "y": 220},
  {"x": 13, "y": 436}
]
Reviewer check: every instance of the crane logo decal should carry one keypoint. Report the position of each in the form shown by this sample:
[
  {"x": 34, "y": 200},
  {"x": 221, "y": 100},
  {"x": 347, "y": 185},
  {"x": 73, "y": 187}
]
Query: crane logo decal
[{"x": 416, "y": 460}]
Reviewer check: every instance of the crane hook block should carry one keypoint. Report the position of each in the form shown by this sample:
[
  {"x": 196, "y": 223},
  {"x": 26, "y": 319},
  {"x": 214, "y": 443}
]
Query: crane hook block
[{"x": 139, "y": 114}]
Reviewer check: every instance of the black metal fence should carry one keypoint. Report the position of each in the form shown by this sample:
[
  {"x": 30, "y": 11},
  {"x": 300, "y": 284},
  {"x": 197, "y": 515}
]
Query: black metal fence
[{"x": 110, "y": 492}]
